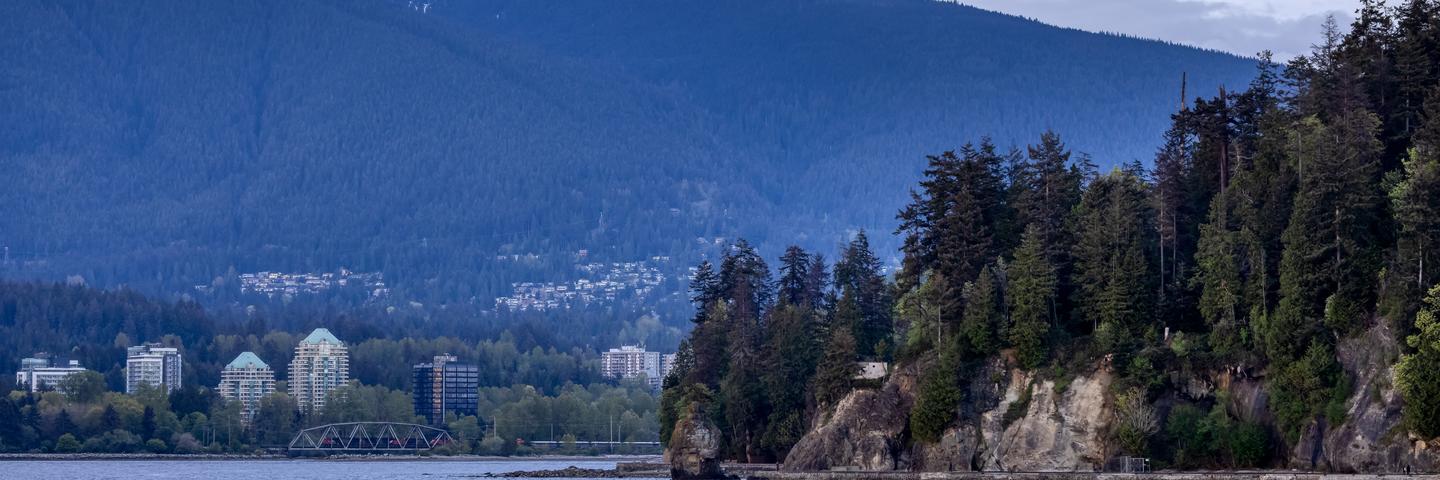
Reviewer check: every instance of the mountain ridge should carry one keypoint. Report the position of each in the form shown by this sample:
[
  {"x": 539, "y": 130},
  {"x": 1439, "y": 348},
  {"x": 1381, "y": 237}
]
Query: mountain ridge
[{"x": 161, "y": 146}]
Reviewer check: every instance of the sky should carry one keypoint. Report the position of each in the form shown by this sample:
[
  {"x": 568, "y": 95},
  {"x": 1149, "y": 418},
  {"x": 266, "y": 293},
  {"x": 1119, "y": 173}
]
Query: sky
[{"x": 1285, "y": 27}]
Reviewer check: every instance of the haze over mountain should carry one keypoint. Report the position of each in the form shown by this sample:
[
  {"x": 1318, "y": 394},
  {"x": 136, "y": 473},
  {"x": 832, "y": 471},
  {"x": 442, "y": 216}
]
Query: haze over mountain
[{"x": 164, "y": 144}]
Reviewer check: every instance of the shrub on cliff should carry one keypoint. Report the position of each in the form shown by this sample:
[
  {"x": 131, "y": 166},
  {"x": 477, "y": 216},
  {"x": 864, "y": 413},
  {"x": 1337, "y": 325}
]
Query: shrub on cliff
[
  {"x": 1418, "y": 379},
  {"x": 938, "y": 400}
]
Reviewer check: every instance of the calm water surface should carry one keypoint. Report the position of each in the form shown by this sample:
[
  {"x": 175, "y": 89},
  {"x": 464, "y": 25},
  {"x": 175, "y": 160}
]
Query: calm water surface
[{"x": 277, "y": 469}]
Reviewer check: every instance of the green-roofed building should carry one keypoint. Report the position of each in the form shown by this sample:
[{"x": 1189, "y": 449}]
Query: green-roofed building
[
  {"x": 247, "y": 379},
  {"x": 321, "y": 364}
]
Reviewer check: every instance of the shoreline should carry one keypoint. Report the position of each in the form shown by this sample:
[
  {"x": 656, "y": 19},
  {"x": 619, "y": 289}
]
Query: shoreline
[{"x": 82, "y": 457}]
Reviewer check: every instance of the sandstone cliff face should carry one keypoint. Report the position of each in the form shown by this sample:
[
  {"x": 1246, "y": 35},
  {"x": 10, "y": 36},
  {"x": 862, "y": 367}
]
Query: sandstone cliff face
[
  {"x": 1371, "y": 439},
  {"x": 865, "y": 431},
  {"x": 1066, "y": 431},
  {"x": 1062, "y": 431}
]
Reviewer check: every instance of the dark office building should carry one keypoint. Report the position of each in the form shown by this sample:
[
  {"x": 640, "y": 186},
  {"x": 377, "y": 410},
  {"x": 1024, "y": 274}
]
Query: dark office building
[{"x": 445, "y": 386}]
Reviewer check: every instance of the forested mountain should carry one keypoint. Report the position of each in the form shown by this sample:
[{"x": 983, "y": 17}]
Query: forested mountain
[{"x": 163, "y": 144}]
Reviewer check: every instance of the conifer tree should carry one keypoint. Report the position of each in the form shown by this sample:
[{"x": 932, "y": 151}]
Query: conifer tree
[
  {"x": 817, "y": 279},
  {"x": 1031, "y": 294},
  {"x": 982, "y": 317},
  {"x": 744, "y": 280},
  {"x": 951, "y": 225},
  {"x": 791, "y": 354},
  {"x": 938, "y": 401},
  {"x": 858, "y": 276},
  {"x": 1331, "y": 252},
  {"x": 1052, "y": 187},
  {"x": 1113, "y": 269},
  {"x": 704, "y": 290},
  {"x": 835, "y": 375},
  {"x": 1415, "y": 199},
  {"x": 1417, "y": 56},
  {"x": 794, "y": 276},
  {"x": 710, "y": 342}
]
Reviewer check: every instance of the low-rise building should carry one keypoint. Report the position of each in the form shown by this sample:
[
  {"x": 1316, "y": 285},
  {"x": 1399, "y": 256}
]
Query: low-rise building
[{"x": 42, "y": 373}]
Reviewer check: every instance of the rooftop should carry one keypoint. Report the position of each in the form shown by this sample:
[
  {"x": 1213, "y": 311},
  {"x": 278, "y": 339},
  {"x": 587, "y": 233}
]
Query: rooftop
[
  {"x": 321, "y": 335},
  {"x": 247, "y": 360}
]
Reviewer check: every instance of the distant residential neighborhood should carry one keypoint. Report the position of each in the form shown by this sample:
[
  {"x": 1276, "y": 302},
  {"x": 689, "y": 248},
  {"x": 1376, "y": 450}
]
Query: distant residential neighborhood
[
  {"x": 598, "y": 283},
  {"x": 290, "y": 285}
]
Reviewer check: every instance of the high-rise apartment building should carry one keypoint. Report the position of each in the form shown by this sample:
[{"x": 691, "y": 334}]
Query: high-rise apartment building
[
  {"x": 247, "y": 379},
  {"x": 631, "y": 361},
  {"x": 152, "y": 364},
  {"x": 444, "y": 386},
  {"x": 667, "y": 365},
  {"x": 321, "y": 365}
]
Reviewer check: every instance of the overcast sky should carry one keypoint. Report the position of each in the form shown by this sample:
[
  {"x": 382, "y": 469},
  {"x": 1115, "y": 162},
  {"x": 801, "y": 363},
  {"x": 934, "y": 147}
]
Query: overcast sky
[{"x": 1285, "y": 27}]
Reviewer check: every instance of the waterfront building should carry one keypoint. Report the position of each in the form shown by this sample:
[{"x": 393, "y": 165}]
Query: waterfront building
[
  {"x": 38, "y": 373},
  {"x": 631, "y": 361},
  {"x": 152, "y": 364},
  {"x": 445, "y": 386},
  {"x": 247, "y": 379},
  {"x": 321, "y": 365}
]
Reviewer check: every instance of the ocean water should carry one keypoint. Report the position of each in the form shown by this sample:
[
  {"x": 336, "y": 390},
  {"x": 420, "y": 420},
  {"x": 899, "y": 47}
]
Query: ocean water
[{"x": 349, "y": 469}]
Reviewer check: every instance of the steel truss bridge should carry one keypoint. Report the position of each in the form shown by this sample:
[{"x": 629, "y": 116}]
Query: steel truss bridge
[{"x": 362, "y": 437}]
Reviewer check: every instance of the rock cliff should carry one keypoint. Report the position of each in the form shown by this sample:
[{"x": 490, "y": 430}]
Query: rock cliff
[
  {"x": 1059, "y": 430},
  {"x": 1371, "y": 438},
  {"x": 865, "y": 430},
  {"x": 1066, "y": 429}
]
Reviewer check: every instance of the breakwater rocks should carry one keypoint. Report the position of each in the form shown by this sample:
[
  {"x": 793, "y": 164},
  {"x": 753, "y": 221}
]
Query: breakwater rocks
[{"x": 624, "y": 470}]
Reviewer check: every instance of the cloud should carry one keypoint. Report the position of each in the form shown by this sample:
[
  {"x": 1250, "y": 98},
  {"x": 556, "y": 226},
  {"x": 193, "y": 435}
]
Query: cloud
[{"x": 1243, "y": 27}]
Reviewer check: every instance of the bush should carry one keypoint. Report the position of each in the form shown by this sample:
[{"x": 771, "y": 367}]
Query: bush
[
  {"x": 67, "y": 444},
  {"x": 114, "y": 441},
  {"x": 1135, "y": 421},
  {"x": 1417, "y": 377},
  {"x": 1191, "y": 437},
  {"x": 1017, "y": 409},
  {"x": 186, "y": 443},
  {"x": 156, "y": 445},
  {"x": 1304, "y": 389},
  {"x": 1249, "y": 445},
  {"x": 938, "y": 402}
]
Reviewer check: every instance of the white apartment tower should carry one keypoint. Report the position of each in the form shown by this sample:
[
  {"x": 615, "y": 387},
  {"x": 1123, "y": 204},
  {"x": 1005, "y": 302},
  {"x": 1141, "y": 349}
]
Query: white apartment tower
[
  {"x": 631, "y": 361},
  {"x": 247, "y": 379},
  {"x": 152, "y": 364},
  {"x": 321, "y": 364}
]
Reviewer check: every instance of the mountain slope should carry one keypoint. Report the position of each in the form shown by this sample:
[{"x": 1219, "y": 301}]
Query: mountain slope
[{"x": 163, "y": 144}]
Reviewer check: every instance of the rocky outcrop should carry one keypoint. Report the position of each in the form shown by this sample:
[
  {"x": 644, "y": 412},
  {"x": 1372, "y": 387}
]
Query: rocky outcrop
[
  {"x": 1060, "y": 431},
  {"x": 956, "y": 451},
  {"x": 1371, "y": 439},
  {"x": 694, "y": 450},
  {"x": 864, "y": 432}
]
